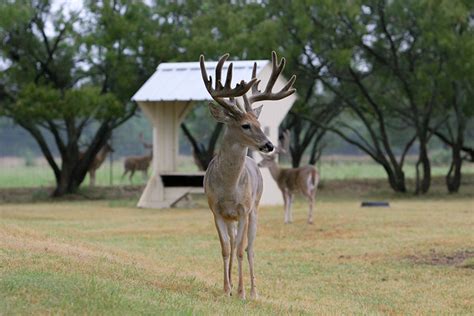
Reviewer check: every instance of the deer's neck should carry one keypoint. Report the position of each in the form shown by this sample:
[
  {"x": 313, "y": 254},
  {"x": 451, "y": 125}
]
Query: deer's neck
[
  {"x": 100, "y": 157},
  {"x": 274, "y": 170},
  {"x": 231, "y": 159}
]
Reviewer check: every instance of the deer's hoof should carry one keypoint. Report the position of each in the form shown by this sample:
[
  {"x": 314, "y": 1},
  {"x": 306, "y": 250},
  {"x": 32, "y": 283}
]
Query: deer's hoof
[
  {"x": 242, "y": 295},
  {"x": 310, "y": 222},
  {"x": 253, "y": 294}
]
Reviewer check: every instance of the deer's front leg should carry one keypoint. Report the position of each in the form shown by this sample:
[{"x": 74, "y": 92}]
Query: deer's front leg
[
  {"x": 232, "y": 234},
  {"x": 252, "y": 232},
  {"x": 225, "y": 247},
  {"x": 285, "y": 200},
  {"x": 240, "y": 240},
  {"x": 290, "y": 211},
  {"x": 92, "y": 178}
]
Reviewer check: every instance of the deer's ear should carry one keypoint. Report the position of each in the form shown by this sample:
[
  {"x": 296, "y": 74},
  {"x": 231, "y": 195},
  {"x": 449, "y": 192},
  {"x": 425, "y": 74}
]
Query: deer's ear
[
  {"x": 218, "y": 113},
  {"x": 258, "y": 110}
]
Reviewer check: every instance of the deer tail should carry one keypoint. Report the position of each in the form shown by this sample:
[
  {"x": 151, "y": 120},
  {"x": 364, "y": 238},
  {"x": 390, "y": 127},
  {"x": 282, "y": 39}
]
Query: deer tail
[{"x": 314, "y": 178}]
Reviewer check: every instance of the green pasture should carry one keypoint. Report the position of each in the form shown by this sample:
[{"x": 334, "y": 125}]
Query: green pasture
[
  {"x": 108, "y": 258},
  {"x": 42, "y": 176}
]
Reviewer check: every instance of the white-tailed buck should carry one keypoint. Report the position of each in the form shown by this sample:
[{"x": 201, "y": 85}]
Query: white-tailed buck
[
  {"x": 292, "y": 180},
  {"x": 138, "y": 163},
  {"x": 97, "y": 162},
  {"x": 233, "y": 182}
]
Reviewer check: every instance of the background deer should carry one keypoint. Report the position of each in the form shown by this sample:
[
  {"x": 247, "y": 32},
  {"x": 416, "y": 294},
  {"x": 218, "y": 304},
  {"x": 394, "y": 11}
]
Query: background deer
[
  {"x": 233, "y": 183},
  {"x": 291, "y": 180},
  {"x": 138, "y": 163},
  {"x": 97, "y": 162}
]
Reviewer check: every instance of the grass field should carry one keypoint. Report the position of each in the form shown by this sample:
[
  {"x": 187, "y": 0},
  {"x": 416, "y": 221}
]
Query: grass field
[
  {"x": 41, "y": 175},
  {"x": 109, "y": 258}
]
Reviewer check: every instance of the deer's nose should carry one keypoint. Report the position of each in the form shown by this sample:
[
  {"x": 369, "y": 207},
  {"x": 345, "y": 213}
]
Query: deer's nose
[{"x": 268, "y": 147}]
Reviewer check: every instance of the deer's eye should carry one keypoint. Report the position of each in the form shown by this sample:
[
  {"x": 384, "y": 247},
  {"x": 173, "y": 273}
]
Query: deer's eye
[{"x": 246, "y": 126}]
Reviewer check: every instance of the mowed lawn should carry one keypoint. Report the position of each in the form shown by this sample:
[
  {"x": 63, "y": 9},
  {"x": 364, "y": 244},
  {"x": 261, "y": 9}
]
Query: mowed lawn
[{"x": 415, "y": 257}]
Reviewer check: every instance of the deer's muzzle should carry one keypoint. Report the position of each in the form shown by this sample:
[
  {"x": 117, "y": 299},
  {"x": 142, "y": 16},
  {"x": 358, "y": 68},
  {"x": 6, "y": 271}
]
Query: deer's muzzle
[{"x": 267, "y": 148}]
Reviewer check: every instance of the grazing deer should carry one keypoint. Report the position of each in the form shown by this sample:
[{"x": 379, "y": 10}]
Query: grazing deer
[
  {"x": 138, "y": 163},
  {"x": 233, "y": 183},
  {"x": 97, "y": 162},
  {"x": 291, "y": 180}
]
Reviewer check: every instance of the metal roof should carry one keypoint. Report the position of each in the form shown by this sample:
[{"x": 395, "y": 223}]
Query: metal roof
[{"x": 183, "y": 81}]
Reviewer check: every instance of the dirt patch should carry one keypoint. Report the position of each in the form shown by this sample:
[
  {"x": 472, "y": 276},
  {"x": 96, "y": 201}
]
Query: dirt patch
[{"x": 460, "y": 258}]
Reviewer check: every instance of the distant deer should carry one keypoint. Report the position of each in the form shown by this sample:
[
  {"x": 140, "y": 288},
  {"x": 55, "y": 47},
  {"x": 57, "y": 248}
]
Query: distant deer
[
  {"x": 138, "y": 163},
  {"x": 233, "y": 183},
  {"x": 97, "y": 162},
  {"x": 291, "y": 180}
]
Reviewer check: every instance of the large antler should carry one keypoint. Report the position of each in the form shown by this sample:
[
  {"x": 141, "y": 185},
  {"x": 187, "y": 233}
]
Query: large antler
[
  {"x": 220, "y": 92},
  {"x": 267, "y": 94}
]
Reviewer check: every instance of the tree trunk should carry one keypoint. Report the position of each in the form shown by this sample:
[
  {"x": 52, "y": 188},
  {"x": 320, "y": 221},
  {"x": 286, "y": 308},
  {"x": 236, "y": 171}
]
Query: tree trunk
[
  {"x": 453, "y": 178},
  {"x": 396, "y": 179},
  {"x": 316, "y": 149},
  {"x": 73, "y": 168},
  {"x": 423, "y": 178},
  {"x": 67, "y": 183},
  {"x": 202, "y": 155},
  {"x": 296, "y": 156}
]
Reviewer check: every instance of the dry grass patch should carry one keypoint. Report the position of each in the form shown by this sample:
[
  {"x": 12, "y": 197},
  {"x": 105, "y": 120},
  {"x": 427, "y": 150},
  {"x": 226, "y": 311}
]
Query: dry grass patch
[
  {"x": 460, "y": 258},
  {"x": 94, "y": 258}
]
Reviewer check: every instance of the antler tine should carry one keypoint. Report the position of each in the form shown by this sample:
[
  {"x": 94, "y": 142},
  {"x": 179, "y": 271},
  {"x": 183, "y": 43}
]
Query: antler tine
[
  {"x": 287, "y": 90},
  {"x": 207, "y": 80},
  {"x": 254, "y": 75},
  {"x": 248, "y": 106},
  {"x": 228, "y": 79},
  {"x": 219, "y": 66},
  {"x": 220, "y": 92},
  {"x": 277, "y": 68}
]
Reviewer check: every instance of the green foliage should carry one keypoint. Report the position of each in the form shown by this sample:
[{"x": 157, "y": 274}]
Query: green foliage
[
  {"x": 67, "y": 72},
  {"x": 389, "y": 66}
]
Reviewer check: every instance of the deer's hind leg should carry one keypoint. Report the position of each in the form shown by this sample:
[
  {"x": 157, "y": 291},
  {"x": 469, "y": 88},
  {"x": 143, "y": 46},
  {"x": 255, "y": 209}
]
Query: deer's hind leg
[
  {"x": 310, "y": 195},
  {"x": 310, "y": 208},
  {"x": 252, "y": 232},
  {"x": 132, "y": 172},
  {"x": 290, "y": 210},
  {"x": 124, "y": 173},
  {"x": 224, "y": 239},
  {"x": 92, "y": 177}
]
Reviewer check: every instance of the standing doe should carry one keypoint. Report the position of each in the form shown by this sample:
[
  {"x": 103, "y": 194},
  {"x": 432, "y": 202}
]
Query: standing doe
[
  {"x": 97, "y": 162},
  {"x": 233, "y": 183},
  {"x": 291, "y": 180},
  {"x": 138, "y": 163}
]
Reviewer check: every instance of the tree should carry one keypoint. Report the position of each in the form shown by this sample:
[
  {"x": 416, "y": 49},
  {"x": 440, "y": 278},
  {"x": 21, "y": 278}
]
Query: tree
[
  {"x": 204, "y": 147},
  {"x": 217, "y": 27},
  {"x": 333, "y": 58},
  {"x": 379, "y": 61},
  {"x": 68, "y": 72},
  {"x": 308, "y": 133},
  {"x": 456, "y": 90}
]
